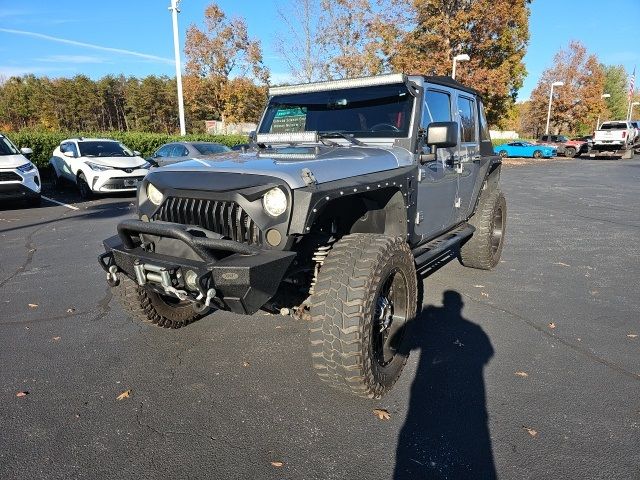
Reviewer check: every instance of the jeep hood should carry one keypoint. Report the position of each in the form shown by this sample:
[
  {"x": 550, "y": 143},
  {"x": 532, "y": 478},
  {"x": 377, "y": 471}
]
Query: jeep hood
[
  {"x": 325, "y": 163},
  {"x": 12, "y": 161}
]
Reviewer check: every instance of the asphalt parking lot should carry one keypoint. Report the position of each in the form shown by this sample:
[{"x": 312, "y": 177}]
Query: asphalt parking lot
[{"x": 528, "y": 372}]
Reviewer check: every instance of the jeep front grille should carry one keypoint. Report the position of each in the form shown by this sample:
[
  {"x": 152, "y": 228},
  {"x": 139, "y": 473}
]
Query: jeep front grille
[{"x": 226, "y": 218}]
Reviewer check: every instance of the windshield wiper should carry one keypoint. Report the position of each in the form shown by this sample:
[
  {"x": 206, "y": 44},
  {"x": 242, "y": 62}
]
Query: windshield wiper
[{"x": 349, "y": 137}]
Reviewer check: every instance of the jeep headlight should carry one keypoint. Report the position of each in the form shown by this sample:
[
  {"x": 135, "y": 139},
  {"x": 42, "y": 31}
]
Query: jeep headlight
[
  {"x": 275, "y": 202},
  {"x": 153, "y": 194}
]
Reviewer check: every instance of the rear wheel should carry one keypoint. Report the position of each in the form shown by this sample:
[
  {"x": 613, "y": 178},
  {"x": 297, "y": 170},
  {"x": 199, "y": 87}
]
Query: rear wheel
[
  {"x": 85, "y": 191},
  {"x": 503, "y": 153},
  {"x": 151, "y": 307},
  {"x": 537, "y": 154},
  {"x": 570, "y": 152},
  {"x": 484, "y": 248},
  {"x": 365, "y": 294}
]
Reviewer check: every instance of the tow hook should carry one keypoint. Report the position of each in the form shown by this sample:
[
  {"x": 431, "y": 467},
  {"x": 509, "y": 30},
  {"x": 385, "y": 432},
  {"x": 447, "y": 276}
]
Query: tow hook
[{"x": 112, "y": 277}]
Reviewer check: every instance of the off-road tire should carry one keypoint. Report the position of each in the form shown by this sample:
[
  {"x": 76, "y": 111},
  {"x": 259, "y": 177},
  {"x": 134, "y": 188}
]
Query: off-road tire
[
  {"x": 150, "y": 307},
  {"x": 84, "y": 188},
  {"x": 343, "y": 309},
  {"x": 490, "y": 219},
  {"x": 570, "y": 152},
  {"x": 537, "y": 154}
]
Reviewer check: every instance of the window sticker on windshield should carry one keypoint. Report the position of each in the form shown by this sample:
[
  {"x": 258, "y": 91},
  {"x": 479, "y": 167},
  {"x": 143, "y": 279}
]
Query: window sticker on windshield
[{"x": 289, "y": 120}]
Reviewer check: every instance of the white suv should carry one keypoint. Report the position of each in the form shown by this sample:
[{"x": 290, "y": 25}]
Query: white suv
[
  {"x": 98, "y": 165},
  {"x": 19, "y": 178}
]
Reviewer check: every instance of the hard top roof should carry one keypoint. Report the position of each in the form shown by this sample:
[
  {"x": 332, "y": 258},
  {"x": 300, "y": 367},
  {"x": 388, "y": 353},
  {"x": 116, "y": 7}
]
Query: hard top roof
[{"x": 450, "y": 82}]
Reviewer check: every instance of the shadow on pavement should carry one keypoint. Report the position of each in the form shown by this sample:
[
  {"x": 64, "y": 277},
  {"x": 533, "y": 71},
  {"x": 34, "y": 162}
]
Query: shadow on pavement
[{"x": 446, "y": 435}]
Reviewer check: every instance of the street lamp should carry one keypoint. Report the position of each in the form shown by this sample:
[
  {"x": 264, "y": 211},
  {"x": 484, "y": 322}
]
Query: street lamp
[
  {"x": 604, "y": 95},
  {"x": 176, "y": 46},
  {"x": 463, "y": 57},
  {"x": 554, "y": 84}
]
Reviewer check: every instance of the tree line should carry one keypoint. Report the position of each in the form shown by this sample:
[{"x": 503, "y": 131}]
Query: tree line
[
  {"x": 591, "y": 93},
  {"x": 226, "y": 78}
]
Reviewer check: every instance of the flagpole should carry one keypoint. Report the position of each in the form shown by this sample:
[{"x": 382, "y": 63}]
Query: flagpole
[{"x": 631, "y": 91}]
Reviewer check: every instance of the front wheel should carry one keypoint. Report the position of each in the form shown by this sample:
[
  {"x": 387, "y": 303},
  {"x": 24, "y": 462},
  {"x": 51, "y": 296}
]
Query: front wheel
[
  {"x": 503, "y": 154},
  {"x": 85, "y": 191},
  {"x": 152, "y": 307},
  {"x": 365, "y": 294},
  {"x": 484, "y": 248},
  {"x": 570, "y": 152},
  {"x": 537, "y": 154}
]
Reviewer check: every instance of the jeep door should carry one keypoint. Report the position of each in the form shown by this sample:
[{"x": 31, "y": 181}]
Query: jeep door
[
  {"x": 438, "y": 180},
  {"x": 471, "y": 164}
]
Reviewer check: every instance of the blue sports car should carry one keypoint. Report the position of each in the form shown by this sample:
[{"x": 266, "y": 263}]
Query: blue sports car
[{"x": 525, "y": 149}]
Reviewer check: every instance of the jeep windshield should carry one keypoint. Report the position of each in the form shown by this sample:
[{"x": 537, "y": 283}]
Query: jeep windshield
[
  {"x": 103, "y": 149},
  {"x": 377, "y": 111}
]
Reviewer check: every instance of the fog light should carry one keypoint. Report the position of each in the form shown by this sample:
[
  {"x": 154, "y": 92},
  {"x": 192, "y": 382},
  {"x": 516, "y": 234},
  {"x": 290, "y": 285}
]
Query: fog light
[
  {"x": 191, "y": 279},
  {"x": 274, "y": 237}
]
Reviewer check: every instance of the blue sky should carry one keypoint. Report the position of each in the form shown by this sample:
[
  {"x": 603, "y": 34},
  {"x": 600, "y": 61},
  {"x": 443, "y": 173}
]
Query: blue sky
[{"x": 134, "y": 37}]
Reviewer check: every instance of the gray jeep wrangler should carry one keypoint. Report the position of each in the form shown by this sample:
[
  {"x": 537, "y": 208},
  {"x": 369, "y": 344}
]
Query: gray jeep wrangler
[{"x": 350, "y": 190}]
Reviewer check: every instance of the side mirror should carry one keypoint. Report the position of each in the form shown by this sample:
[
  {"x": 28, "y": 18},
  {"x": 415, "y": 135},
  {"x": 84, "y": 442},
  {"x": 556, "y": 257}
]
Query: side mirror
[
  {"x": 442, "y": 135},
  {"x": 68, "y": 154},
  {"x": 137, "y": 153},
  {"x": 27, "y": 152}
]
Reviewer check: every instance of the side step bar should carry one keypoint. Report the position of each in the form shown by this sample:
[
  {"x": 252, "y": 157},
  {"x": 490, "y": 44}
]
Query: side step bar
[{"x": 425, "y": 254}]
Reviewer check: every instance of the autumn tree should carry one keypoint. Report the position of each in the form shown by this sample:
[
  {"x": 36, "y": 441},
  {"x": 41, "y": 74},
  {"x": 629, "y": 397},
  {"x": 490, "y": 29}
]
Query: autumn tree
[
  {"x": 494, "y": 33},
  {"x": 299, "y": 41},
  {"x": 577, "y": 104},
  {"x": 615, "y": 84},
  {"x": 216, "y": 56}
]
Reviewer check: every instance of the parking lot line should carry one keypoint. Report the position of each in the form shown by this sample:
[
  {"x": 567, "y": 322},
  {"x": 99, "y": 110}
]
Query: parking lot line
[{"x": 59, "y": 203}]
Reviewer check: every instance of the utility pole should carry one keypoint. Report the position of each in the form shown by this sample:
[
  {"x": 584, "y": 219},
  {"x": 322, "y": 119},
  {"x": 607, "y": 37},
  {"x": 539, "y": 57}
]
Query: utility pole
[
  {"x": 554, "y": 84},
  {"x": 176, "y": 46}
]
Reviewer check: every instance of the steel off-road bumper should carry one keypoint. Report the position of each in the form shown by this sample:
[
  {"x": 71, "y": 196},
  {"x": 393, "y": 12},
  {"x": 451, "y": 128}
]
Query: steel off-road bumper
[{"x": 231, "y": 275}]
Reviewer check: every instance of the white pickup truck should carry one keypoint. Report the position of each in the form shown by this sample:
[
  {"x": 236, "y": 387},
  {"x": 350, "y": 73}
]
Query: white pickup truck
[{"x": 614, "y": 139}]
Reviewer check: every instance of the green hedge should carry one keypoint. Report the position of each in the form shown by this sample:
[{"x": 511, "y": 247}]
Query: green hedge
[{"x": 43, "y": 143}]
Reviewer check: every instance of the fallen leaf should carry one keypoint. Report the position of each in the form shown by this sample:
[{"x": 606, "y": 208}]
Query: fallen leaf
[
  {"x": 484, "y": 294},
  {"x": 530, "y": 431},
  {"x": 55, "y": 339},
  {"x": 562, "y": 264},
  {"x": 479, "y": 286},
  {"x": 22, "y": 394},
  {"x": 552, "y": 325},
  {"x": 278, "y": 326},
  {"x": 522, "y": 374},
  {"x": 632, "y": 335},
  {"x": 71, "y": 310},
  {"x": 381, "y": 414},
  {"x": 246, "y": 364},
  {"x": 123, "y": 395},
  {"x": 33, "y": 305},
  {"x": 277, "y": 464}
]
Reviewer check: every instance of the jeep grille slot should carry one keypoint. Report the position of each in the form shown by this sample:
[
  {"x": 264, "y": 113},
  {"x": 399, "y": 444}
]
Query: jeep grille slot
[{"x": 226, "y": 218}]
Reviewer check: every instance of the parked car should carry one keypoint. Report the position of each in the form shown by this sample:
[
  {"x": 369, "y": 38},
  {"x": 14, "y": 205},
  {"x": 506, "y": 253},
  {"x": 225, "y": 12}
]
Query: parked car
[
  {"x": 353, "y": 187},
  {"x": 615, "y": 138},
  {"x": 584, "y": 138},
  {"x": 564, "y": 146},
  {"x": 180, "y": 151},
  {"x": 97, "y": 165},
  {"x": 525, "y": 149},
  {"x": 19, "y": 177},
  {"x": 636, "y": 126}
]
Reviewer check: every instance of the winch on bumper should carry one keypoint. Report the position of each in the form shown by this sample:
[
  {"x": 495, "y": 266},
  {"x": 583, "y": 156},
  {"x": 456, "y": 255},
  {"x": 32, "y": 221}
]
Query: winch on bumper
[{"x": 228, "y": 274}]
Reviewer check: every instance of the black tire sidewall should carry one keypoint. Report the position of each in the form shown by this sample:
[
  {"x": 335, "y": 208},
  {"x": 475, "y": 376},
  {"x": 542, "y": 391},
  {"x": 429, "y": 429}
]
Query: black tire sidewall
[{"x": 83, "y": 187}]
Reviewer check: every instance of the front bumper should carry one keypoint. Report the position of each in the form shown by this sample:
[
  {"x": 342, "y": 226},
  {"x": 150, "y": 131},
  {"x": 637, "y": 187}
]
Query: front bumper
[
  {"x": 116, "y": 180},
  {"x": 232, "y": 275},
  {"x": 20, "y": 184}
]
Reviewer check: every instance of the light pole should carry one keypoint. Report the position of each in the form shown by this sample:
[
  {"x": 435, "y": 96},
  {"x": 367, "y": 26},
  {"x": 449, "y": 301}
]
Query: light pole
[
  {"x": 463, "y": 57},
  {"x": 554, "y": 84},
  {"x": 633, "y": 104},
  {"x": 604, "y": 95},
  {"x": 176, "y": 46}
]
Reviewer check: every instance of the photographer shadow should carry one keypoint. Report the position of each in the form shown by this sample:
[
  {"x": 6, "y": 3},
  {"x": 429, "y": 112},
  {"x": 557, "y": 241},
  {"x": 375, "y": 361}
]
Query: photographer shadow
[{"x": 446, "y": 435}]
